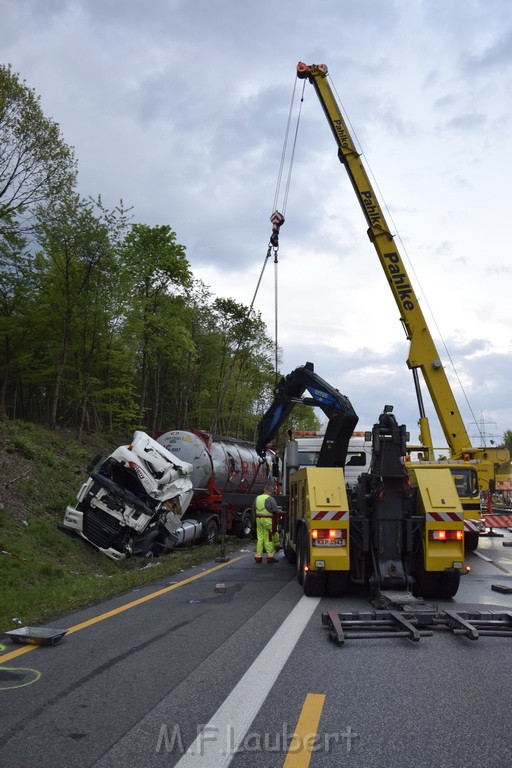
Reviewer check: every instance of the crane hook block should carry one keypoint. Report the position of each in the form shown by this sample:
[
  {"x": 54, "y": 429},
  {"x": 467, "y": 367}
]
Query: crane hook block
[{"x": 277, "y": 220}]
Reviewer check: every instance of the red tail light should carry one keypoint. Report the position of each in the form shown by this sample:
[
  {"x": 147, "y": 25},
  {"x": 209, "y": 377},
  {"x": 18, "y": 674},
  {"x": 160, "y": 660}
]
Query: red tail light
[
  {"x": 329, "y": 537},
  {"x": 446, "y": 535}
]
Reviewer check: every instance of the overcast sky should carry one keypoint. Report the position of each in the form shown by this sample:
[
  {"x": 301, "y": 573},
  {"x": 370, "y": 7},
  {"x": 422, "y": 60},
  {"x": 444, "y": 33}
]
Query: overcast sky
[{"x": 179, "y": 107}]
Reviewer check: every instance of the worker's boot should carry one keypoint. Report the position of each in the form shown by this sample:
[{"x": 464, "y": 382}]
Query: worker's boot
[
  {"x": 257, "y": 559},
  {"x": 271, "y": 560}
]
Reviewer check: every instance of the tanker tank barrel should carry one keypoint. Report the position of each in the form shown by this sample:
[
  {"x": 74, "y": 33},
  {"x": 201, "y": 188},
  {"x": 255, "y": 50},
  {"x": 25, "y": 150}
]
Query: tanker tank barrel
[{"x": 231, "y": 465}]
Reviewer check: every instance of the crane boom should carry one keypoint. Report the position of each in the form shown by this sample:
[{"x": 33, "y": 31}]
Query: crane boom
[{"x": 423, "y": 354}]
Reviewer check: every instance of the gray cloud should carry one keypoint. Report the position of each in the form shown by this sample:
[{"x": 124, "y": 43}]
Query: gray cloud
[
  {"x": 496, "y": 57},
  {"x": 180, "y": 108}
]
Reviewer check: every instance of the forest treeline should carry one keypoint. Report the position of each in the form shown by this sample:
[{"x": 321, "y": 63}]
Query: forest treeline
[{"x": 103, "y": 325}]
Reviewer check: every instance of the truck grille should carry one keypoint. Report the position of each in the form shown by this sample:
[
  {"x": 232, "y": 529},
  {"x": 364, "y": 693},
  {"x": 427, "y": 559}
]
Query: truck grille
[{"x": 101, "y": 529}]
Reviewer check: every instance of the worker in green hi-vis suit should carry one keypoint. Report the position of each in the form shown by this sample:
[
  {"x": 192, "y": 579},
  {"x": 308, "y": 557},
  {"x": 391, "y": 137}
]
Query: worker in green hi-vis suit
[{"x": 264, "y": 509}]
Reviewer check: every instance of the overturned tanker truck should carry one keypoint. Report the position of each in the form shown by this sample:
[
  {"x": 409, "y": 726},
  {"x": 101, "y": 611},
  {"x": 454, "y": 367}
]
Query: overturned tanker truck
[{"x": 151, "y": 496}]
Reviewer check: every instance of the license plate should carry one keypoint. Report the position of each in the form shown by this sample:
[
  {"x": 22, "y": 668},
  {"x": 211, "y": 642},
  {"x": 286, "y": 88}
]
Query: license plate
[{"x": 328, "y": 542}]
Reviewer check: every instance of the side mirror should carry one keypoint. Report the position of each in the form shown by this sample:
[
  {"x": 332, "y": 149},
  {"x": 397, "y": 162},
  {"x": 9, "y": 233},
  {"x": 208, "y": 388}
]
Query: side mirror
[{"x": 93, "y": 463}]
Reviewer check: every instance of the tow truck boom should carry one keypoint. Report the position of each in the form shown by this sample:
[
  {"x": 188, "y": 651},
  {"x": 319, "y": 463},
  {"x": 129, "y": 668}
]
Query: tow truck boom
[{"x": 337, "y": 407}]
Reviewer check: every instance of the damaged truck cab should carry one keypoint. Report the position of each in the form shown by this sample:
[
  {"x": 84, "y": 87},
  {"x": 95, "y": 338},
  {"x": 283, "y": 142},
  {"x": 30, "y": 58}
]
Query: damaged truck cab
[{"x": 135, "y": 501}]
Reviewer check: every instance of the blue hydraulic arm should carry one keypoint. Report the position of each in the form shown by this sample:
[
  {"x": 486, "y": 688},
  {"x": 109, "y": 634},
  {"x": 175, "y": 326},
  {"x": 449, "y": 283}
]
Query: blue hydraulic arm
[{"x": 337, "y": 407}]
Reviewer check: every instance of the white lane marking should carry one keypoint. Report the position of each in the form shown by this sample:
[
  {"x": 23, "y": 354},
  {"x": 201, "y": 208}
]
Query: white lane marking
[
  {"x": 217, "y": 743},
  {"x": 484, "y": 557},
  {"x": 493, "y": 562}
]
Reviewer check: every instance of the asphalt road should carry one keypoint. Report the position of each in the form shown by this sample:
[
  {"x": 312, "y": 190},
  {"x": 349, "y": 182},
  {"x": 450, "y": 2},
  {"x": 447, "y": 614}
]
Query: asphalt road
[{"x": 181, "y": 674}]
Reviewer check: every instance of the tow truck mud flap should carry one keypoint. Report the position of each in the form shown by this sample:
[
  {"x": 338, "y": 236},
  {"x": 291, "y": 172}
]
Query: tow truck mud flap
[{"x": 415, "y": 625}]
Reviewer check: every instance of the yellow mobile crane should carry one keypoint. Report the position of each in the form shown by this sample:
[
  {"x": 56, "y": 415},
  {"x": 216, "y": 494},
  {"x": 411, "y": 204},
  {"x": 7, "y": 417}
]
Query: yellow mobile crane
[{"x": 474, "y": 469}]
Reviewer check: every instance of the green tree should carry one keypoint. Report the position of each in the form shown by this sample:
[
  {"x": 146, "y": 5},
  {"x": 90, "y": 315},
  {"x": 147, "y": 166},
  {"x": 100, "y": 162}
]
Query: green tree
[
  {"x": 196, "y": 382},
  {"x": 103, "y": 356},
  {"x": 36, "y": 165},
  {"x": 506, "y": 469},
  {"x": 16, "y": 294},
  {"x": 156, "y": 274},
  {"x": 303, "y": 417},
  {"x": 75, "y": 265},
  {"x": 191, "y": 394},
  {"x": 243, "y": 367}
]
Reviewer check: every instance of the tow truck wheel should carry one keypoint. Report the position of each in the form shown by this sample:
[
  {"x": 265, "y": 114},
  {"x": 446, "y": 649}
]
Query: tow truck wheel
[
  {"x": 337, "y": 583},
  {"x": 471, "y": 541},
  {"x": 426, "y": 585},
  {"x": 427, "y": 582},
  {"x": 289, "y": 553},
  {"x": 448, "y": 585},
  {"x": 300, "y": 555},
  {"x": 312, "y": 582}
]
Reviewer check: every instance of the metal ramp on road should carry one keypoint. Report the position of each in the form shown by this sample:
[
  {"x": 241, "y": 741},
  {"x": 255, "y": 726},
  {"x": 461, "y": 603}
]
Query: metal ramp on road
[{"x": 415, "y": 624}]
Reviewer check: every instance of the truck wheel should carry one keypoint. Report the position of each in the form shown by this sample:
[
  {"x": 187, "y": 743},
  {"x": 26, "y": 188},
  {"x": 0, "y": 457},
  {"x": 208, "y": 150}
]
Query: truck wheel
[
  {"x": 314, "y": 583},
  {"x": 300, "y": 556},
  {"x": 337, "y": 583},
  {"x": 426, "y": 584},
  {"x": 471, "y": 541},
  {"x": 243, "y": 526},
  {"x": 289, "y": 553},
  {"x": 448, "y": 585},
  {"x": 210, "y": 531}
]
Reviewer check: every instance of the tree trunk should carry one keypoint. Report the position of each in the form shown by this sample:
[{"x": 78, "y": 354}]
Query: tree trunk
[{"x": 58, "y": 381}]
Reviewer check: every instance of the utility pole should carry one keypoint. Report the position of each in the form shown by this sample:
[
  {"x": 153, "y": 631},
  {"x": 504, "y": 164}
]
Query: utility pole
[{"x": 482, "y": 425}]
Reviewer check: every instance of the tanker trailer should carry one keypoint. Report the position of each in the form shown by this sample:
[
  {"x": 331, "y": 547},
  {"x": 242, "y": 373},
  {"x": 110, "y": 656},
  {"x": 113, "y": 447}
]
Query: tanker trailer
[
  {"x": 150, "y": 496},
  {"x": 220, "y": 465}
]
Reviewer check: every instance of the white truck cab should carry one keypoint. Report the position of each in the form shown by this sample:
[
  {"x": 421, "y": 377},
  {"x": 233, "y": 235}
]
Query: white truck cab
[{"x": 303, "y": 449}]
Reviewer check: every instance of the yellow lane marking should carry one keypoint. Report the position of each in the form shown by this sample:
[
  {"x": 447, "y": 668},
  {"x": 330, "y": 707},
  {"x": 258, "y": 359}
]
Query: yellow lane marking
[
  {"x": 304, "y": 738},
  {"x": 115, "y": 611}
]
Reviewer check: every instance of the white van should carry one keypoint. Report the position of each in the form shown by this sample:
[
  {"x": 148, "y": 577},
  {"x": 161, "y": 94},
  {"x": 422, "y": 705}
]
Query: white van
[{"x": 309, "y": 443}]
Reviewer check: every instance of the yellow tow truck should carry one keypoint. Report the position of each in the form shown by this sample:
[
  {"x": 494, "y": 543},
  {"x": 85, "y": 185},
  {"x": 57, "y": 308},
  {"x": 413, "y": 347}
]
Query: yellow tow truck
[{"x": 384, "y": 534}]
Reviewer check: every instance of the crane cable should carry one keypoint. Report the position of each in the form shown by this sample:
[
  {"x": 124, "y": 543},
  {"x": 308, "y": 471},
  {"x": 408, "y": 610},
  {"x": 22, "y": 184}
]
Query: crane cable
[{"x": 277, "y": 220}]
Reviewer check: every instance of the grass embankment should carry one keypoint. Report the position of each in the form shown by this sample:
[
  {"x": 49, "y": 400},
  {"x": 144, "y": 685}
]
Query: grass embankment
[{"x": 44, "y": 571}]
